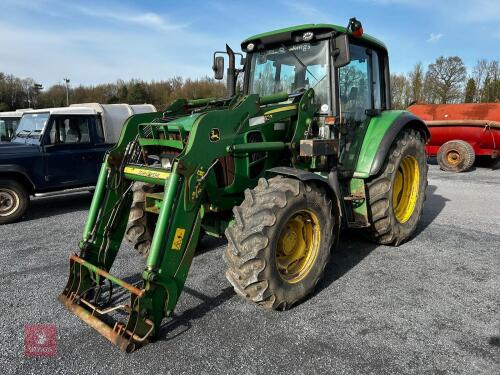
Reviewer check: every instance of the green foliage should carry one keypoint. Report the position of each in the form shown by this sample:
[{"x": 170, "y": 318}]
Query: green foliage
[{"x": 470, "y": 91}]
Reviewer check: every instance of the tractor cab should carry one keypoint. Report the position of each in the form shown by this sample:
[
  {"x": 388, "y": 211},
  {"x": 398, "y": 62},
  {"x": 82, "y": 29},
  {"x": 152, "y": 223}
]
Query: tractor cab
[{"x": 347, "y": 70}]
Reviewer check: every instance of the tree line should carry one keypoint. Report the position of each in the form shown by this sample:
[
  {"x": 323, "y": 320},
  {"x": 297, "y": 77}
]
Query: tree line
[
  {"x": 26, "y": 93},
  {"x": 444, "y": 81},
  {"x": 447, "y": 81}
]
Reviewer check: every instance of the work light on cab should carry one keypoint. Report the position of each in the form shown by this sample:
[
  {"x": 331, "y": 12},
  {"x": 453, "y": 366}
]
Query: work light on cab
[
  {"x": 307, "y": 36},
  {"x": 355, "y": 27}
]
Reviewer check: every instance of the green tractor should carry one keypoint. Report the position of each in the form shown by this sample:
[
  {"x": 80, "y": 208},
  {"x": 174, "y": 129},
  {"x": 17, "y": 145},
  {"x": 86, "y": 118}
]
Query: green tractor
[{"x": 307, "y": 147}]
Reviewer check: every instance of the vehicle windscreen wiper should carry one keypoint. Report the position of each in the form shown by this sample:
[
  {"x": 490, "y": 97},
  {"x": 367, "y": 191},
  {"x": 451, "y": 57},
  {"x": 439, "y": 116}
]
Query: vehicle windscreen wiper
[
  {"x": 300, "y": 61},
  {"x": 317, "y": 83},
  {"x": 24, "y": 135}
]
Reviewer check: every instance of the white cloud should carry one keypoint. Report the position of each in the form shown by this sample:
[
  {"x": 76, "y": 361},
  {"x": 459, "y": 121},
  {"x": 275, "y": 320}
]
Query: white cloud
[
  {"x": 433, "y": 38},
  {"x": 147, "y": 19}
]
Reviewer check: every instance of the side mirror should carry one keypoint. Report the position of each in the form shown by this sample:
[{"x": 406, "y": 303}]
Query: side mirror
[
  {"x": 341, "y": 53},
  {"x": 218, "y": 67}
]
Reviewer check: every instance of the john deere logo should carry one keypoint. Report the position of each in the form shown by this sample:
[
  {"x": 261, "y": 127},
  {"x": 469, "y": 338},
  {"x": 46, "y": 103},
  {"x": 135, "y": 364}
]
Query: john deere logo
[{"x": 214, "y": 135}]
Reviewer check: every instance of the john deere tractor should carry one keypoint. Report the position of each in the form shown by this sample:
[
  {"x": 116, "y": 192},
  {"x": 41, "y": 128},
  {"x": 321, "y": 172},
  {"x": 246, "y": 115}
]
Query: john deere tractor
[{"x": 309, "y": 145}]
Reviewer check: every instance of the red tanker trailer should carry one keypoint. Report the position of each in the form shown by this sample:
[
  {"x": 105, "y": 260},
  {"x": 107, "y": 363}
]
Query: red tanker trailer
[{"x": 460, "y": 132}]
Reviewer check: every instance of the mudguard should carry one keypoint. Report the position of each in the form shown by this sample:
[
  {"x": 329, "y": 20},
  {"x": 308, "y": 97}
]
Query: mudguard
[
  {"x": 379, "y": 136},
  {"x": 330, "y": 182},
  {"x": 12, "y": 169}
]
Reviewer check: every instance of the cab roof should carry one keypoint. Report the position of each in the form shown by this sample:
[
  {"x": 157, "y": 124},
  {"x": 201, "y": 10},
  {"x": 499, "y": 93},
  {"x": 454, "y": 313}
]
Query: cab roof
[
  {"x": 65, "y": 111},
  {"x": 311, "y": 27}
]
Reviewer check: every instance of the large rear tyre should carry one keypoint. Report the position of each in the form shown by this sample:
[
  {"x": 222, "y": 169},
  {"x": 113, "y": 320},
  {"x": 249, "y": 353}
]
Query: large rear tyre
[
  {"x": 280, "y": 242},
  {"x": 140, "y": 227},
  {"x": 14, "y": 201},
  {"x": 396, "y": 195},
  {"x": 456, "y": 156}
]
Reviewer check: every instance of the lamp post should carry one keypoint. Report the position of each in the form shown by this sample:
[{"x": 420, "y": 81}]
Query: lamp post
[
  {"x": 36, "y": 88},
  {"x": 66, "y": 80}
]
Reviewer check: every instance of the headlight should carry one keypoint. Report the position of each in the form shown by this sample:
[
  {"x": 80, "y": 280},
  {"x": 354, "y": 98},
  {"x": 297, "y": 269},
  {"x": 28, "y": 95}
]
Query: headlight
[
  {"x": 166, "y": 163},
  {"x": 250, "y": 47}
]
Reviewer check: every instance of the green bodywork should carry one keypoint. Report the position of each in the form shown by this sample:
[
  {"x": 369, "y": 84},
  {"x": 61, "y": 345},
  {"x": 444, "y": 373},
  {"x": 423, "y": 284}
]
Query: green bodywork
[
  {"x": 220, "y": 147},
  {"x": 313, "y": 26}
]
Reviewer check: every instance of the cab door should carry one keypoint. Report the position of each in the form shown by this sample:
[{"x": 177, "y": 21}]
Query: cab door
[
  {"x": 69, "y": 152},
  {"x": 360, "y": 98}
]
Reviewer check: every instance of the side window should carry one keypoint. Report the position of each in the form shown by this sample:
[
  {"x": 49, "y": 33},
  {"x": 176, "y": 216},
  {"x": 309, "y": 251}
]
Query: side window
[
  {"x": 359, "y": 83},
  {"x": 4, "y": 133},
  {"x": 99, "y": 130},
  {"x": 71, "y": 129}
]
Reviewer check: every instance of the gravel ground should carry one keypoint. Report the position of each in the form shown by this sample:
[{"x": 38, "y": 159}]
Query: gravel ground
[{"x": 429, "y": 306}]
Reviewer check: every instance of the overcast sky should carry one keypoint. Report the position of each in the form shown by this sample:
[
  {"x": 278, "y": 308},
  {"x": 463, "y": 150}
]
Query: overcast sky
[{"x": 100, "y": 41}]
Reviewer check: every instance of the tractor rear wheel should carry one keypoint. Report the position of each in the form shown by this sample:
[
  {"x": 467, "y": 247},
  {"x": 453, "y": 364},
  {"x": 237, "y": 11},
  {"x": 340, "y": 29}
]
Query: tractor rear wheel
[
  {"x": 140, "y": 227},
  {"x": 280, "y": 242},
  {"x": 396, "y": 195},
  {"x": 456, "y": 156}
]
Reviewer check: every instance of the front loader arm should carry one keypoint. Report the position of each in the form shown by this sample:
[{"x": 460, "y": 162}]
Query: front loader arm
[{"x": 177, "y": 229}]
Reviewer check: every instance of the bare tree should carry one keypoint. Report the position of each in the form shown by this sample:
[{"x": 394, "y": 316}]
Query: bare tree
[
  {"x": 480, "y": 73},
  {"x": 416, "y": 81},
  {"x": 446, "y": 76}
]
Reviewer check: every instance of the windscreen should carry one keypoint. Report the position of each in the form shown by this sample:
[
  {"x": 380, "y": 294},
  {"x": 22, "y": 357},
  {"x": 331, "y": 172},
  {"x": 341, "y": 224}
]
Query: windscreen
[
  {"x": 32, "y": 125},
  {"x": 292, "y": 69}
]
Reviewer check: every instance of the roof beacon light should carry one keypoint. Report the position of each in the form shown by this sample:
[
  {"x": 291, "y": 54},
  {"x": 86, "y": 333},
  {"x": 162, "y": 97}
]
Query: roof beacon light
[
  {"x": 307, "y": 36},
  {"x": 250, "y": 47},
  {"x": 355, "y": 27}
]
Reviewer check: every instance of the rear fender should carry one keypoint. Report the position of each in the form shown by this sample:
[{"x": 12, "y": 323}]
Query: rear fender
[{"x": 380, "y": 135}]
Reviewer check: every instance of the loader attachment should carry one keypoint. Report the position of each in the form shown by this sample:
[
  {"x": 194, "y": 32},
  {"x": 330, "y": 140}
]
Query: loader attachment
[
  {"x": 91, "y": 289},
  {"x": 127, "y": 336},
  {"x": 198, "y": 167}
]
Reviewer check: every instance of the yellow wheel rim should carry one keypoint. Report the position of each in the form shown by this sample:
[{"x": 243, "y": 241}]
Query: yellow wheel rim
[
  {"x": 405, "y": 189},
  {"x": 298, "y": 246}
]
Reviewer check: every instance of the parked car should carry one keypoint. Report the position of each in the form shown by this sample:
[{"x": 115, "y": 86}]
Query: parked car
[
  {"x": 58, "y": 150},
  {"x": 9, "y": 122},
  {"x": 461, "y": 133}
]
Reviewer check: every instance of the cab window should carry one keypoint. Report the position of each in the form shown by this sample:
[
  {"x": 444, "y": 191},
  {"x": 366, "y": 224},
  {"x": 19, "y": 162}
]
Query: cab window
[
  {"x": 69, "y": 130},
  {"x": 359, "y": 84}
]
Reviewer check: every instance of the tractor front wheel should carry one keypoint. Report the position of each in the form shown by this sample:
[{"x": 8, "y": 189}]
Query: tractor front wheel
[
  {"x": 280, "y": 242},
  {"x": 140, "y": 227},
  {"x": 396, "y": 195}
]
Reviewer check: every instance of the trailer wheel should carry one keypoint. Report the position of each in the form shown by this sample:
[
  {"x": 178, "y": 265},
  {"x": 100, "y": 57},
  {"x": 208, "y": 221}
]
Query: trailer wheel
[
  {"x": 14, "y": 201},
  {"x": 280, "y": 242},
  {"x": 140, "y": 227},
  {"x": 396, "y": 195},
  {"x": 456, "y": 156}
]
